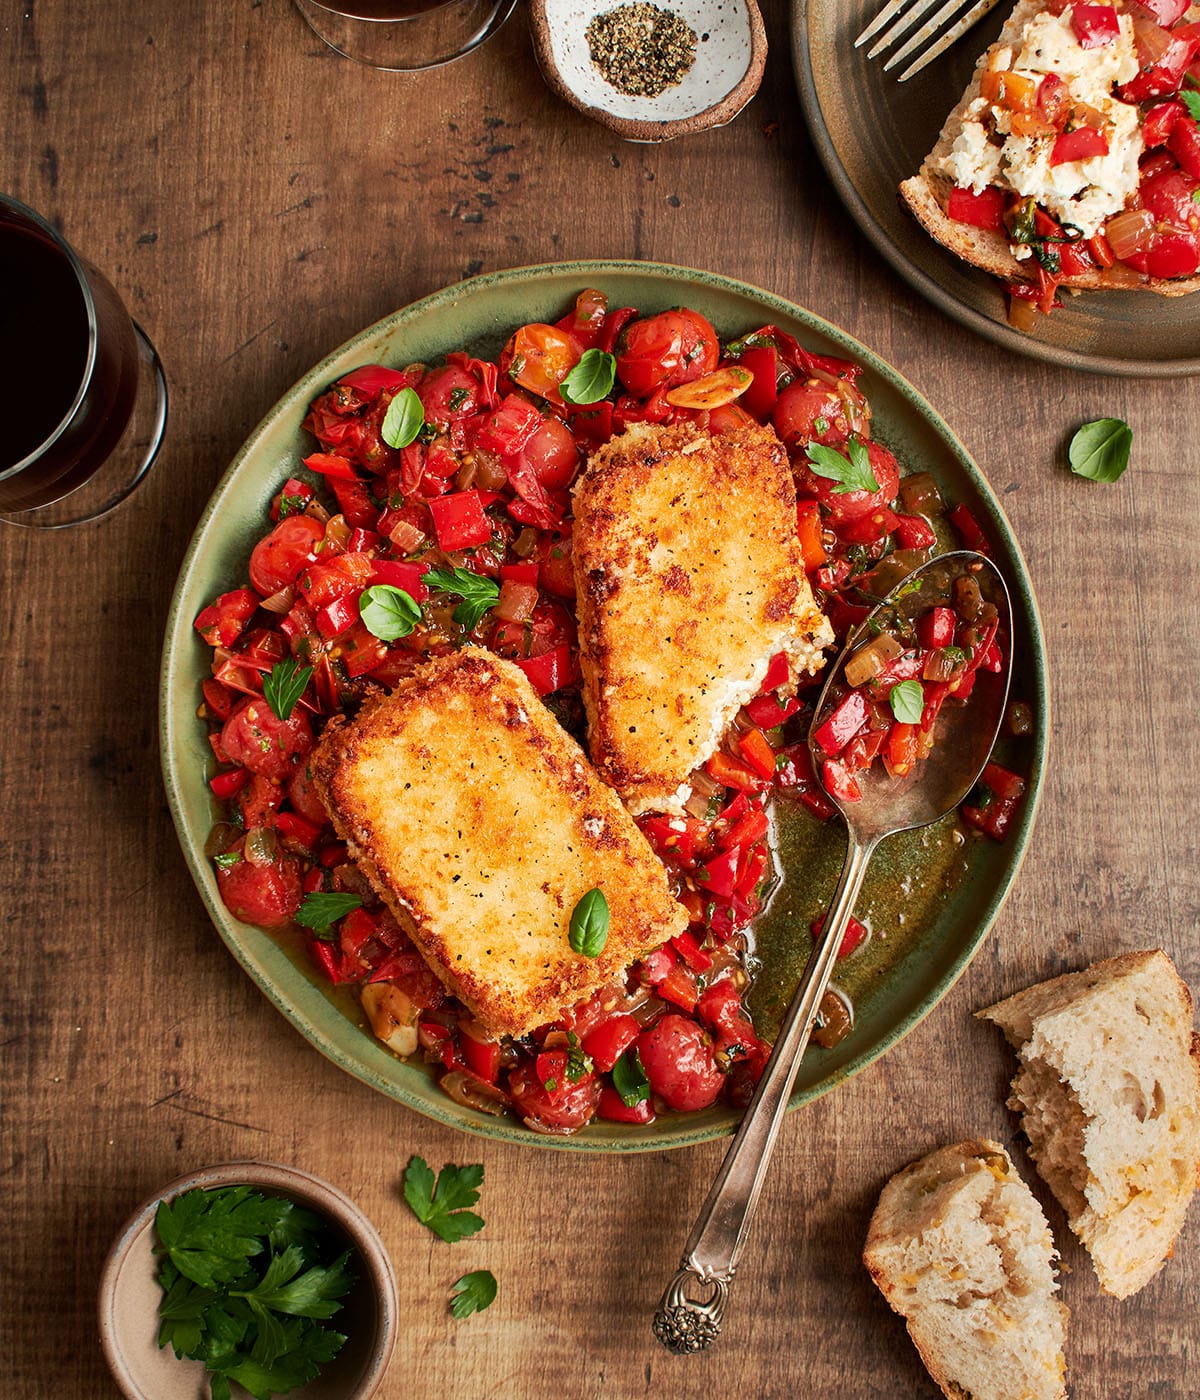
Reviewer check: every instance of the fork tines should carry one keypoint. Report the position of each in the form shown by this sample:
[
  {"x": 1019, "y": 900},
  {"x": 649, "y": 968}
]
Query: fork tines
[{"x": 900, "y": 15}]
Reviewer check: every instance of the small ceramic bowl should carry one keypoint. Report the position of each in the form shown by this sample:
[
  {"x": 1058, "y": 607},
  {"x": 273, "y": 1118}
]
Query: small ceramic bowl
[
  {"x": 130, "y": 1294},
  {"x": 731, "y": 49}
]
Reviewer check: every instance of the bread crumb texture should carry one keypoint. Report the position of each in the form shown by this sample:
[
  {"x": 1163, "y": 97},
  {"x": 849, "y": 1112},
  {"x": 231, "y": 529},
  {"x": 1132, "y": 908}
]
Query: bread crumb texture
[
  {"x": 959, "y": 1247},
  {"x": 1109, "y": 1095}
]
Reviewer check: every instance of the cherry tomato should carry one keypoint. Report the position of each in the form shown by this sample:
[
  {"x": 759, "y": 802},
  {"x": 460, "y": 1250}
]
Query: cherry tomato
[
  {"x": 448, "y": 393},
  {"x": 662, "y": 351},
  {"x": 256, "y": 739},
  {"x": 808, "y": 411},
  {"x": 677, "y": 1055},
  {"x": 264, "y": 895},
  {"x": 556, "y": 573},
  {"x": 303, "y": 796},
  {"x": 845, "y": 506},
  {"x": 566, "y": 1108},
  {"x": 553, "y": 454},
  {"x": 550, "y": 625},
  {"x": 539, "y": 358},
  {"x": 280, "y": 556}
]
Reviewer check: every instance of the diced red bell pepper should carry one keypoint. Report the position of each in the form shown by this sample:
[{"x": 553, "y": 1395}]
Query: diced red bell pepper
[
  {"x": 757, "y": 751},
  {"x": 330, "y": 960},
  {"x": 760, "y": 398},
  {"x": 830, "y": 577},
  {"x": 1165, "y": 12},
  {"x": 219, "y": 698},
  {"x": 1095, "y": 26},
  {"x": 551, "y": 670},
  {"x": 719, "y": 876},
  {"x": 298, "y": 828},
  {"x": 848, "y": 717},
  {"x": 362, "y": 541},
  {"x": 225, "y": 618},
  {"x": 779, "y": 672},
  {"x": 914, "y": 532},
  {"x": 935, "y": 628},
  {"x": 608, "y": 1041},
  {"x": 1159, "y": 120},
  {"x": 482, "y": 1057},
  {"x": 1184, "y": 144},
  {"x": 337, "y": 616},
  {"x": 768, "y": 712},
  {"x": 1002, "y": 782},
  {"x": 679, "y": 986},
  {"x": 360, "y": 651},
  {"x": 354, "y": 502},
  {"x": 327, "y": 579},
  {"x": 839, "y": 782},
  {"x": 935, "y": 696},
  {"x": 1081, "y": 144},
  {"x": 994, "y": 819},
  {"x": 854, "y": 936},
  {"x": 614, "y": 1108},
  {"x": 674, "y": 836},
  {"x": 526, "y": 572},
  {"x": 866, "y": 529},
  {"x": 459, "y": 520},
  {"x": 748, "y": 829},
  {"x": 224, "y": 785},
  {"x": 750, "y": 871},
  {"x": 982, "y": 210},
  {"x": 593, "y": 423},
  {"x": 691, "y": 952},
  {"x": 723, "y": 768},
  {"x": 967, "y": 526},
  {"x": 901, "y": 748},
  {"x": 401, "y": 573},
  {"x": 329, "y": 464},
  {"x": 862, "y": 750}
]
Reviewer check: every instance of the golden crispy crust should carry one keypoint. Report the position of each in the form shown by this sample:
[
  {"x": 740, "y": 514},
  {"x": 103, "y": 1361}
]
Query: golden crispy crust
[
  {"x": 481, "y": 824},
  {"x": 689, "y": 579}
]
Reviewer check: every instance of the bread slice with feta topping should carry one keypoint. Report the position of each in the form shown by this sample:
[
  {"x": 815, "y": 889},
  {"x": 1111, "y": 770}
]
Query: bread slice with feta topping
[
  {"x": 689, "y": 579},
  {"x": 481, "y": 824},
  {"x": 960, "y": 1248},
  {"x": 1109, "y": 1095}
]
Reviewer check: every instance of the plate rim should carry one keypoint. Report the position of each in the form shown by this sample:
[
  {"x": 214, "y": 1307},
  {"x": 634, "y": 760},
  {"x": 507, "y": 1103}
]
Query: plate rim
[
  {"x": 178, "y": 629},
  {"x": 997, "y": 332}
]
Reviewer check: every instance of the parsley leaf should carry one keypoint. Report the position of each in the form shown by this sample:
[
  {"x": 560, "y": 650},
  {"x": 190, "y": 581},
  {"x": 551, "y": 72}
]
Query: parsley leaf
[
  {"x": 404, "y": 419},
  {"x": 591, "y": 379},
  {"x": 1192, "y": 102},
  {"x": 907, "y": 701},
  {"x": 1100, "y": 450},
  {"x": 478, "y": 594},
  {"x": 285, "y": 685},
  {"x": 443, "y": 1206},
  {"x": 589, "y": 924},
  {"x": 851, "y": 473},
  {"x": 473, "y": 1292},
  {"x": 320, "y": 910},
  {"x": 388, "y": 612}
]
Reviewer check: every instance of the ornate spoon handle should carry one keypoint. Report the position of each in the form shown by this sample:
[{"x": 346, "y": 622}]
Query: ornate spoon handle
[{"x": 684, "y": 1323}]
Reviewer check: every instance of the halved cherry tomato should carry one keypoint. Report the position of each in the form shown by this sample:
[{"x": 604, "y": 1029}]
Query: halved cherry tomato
[
  {"x": 254, "y": 737},
  {"x": 278, "y": 558},
  {"x": 264, "y": 895},
  {"x": 539, "y": 358},
  {"x": 677, "y": 1055},
  {"x": 563, "y": 1109},
  {"x": 659, "y": 352}
]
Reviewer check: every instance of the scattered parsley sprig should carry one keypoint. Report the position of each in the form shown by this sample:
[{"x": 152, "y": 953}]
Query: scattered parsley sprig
[
  {"x": 478, "y": 594},
  {"x": 284, "y": 686},
  {"x": 443, "y": 1206},
  {"x": 852, "y": 473}
]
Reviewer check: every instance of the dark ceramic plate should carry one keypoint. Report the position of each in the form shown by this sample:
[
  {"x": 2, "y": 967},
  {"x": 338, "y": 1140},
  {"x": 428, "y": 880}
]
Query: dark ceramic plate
[
  {"x": 923, "y": 944},
  {"x": 872, "y": 132}
]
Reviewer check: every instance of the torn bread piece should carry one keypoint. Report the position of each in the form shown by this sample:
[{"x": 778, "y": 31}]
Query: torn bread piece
[
  {"x": 1000, "y": 137},
  {"x": 960, "y": 1248},
  {"x": 689, "y": 579},
  {"x": 482, "y": 825},
  {"x": 1109, "y": 1096}
]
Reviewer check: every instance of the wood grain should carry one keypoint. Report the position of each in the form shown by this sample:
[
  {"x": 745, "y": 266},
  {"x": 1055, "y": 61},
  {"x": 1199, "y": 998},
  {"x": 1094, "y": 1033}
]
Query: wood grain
[{"x": 257, "y": 200}]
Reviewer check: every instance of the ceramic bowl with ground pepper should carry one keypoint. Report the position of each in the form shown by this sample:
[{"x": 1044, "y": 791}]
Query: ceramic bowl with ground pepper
[{"x": 650, "y": 71}]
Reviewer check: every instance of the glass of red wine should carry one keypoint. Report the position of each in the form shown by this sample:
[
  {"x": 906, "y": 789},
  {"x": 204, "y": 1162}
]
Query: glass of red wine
[
  {"x": 89, "y": 398},
  {"x": 403, "y": 36}
]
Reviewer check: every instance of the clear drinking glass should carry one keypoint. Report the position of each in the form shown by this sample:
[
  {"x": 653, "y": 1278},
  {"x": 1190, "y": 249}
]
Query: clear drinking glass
[
  {"x": 403, "y": 36},
  {"x": 87, "y": 400}
]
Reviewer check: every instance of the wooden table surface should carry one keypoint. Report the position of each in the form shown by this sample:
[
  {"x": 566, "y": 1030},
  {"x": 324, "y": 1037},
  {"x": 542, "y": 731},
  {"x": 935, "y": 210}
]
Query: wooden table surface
[{"x": 257, "y": 200}]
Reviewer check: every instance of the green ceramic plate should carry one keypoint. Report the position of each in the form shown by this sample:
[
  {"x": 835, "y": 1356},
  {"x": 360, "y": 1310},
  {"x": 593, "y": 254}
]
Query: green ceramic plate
[
  {"x": 871, "y": 132},
  {"x": 919, "y": 949}
]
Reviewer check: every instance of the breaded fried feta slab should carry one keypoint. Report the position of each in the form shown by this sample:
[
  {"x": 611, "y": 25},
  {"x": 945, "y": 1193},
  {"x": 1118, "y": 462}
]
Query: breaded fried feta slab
[
  {"x": 690, "y": 579},
  {"x": 481, "y": 824}
]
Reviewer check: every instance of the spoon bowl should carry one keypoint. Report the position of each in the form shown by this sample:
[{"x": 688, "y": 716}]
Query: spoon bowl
[{"x": 887, "y": 803}]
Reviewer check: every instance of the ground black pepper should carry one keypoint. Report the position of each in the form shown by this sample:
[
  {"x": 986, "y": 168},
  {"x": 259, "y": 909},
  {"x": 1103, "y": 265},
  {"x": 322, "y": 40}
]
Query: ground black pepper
[{"x": 641, "y": 49}]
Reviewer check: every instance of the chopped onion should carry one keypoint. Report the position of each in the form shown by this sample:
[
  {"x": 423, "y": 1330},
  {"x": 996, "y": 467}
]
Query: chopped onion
[
  {"x": 1129, "y": 232},
  {"x": 261, "y": 846},
  {"x": 867, "y": 662},
  {"x": 920, "y": 495},
  {"x": 317, "y": 511},
  {"x": 489, "y": 469},
  {"x": 406, "y": 537},
  {"x": 465, "y": 476},
  {"x": 469, "y": 1091},
  {"x": 1150, "y": 40},
  {"x": 282, "y": 601},
  {"x": 220, "y": 839},
  {"x": 517, "y": 600},
  {"x": 337, "y": 535},
  {"x": 525, "y": 543}
]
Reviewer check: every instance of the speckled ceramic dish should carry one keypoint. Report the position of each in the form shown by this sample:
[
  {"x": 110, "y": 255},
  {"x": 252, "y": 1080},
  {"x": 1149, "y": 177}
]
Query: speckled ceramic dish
[
  {"x": 919, "y": 950},
  {"x": 871, "y": 132},
  {"x": 731, "y": 49},
  {"x": 129, "y": 1293}
]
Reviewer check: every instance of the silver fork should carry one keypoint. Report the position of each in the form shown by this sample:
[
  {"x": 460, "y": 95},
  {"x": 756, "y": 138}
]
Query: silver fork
[{"x": 900, "y": 15}]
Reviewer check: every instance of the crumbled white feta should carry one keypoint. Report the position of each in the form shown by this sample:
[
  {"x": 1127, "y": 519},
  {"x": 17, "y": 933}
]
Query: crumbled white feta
[{"x": 973, "y": 160}]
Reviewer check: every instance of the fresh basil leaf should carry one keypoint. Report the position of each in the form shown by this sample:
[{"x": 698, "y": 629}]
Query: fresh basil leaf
[
  {"x": 852, "y": 473},
  {"x": 629, "y": 1078},
  {"x": 473, "y": 1292},
  {"x": 592, "y": 378},
  {"x": 404, "y": 419},
  {"x": 388, "y": 612},
  {"x": 1100, "y": 449},
  {"x": 589, "y": 924},
  {"x": 320, "y": 910},
  {"x": 284, "y": 686},
  {"x": 478, "y": 593},
  {"x": 908, "y": 701}
]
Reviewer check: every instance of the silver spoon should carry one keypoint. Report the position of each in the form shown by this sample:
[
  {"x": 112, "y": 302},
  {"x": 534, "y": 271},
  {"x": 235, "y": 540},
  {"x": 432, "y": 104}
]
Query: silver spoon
[{"x": 965, "y": 736}]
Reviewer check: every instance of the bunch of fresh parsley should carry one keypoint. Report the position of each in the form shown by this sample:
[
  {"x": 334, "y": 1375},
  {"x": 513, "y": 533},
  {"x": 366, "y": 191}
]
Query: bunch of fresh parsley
[{"x": 246, "y": 1288}]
